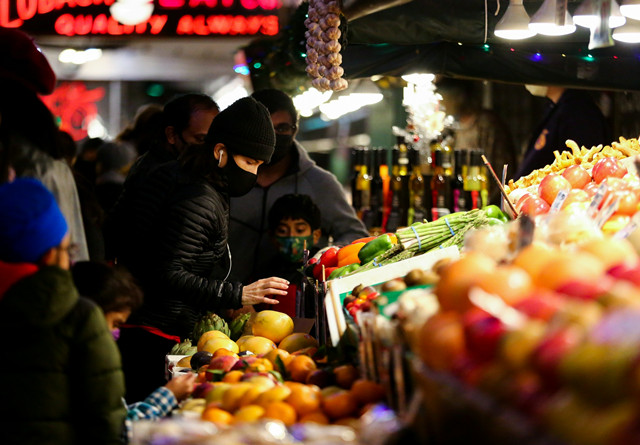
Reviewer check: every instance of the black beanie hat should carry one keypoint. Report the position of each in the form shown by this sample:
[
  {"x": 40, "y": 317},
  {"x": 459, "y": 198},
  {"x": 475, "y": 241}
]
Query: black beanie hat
[{"x": 245, "y": 127}]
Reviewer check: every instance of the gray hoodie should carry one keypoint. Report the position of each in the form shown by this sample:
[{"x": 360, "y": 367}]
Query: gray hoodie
[{"x": 251, "y": 248}]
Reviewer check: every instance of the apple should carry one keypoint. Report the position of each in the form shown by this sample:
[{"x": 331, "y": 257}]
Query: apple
[
  {"x": 577, "y": 176},
  {"x": 534, "y": 206},
  {"x": 483, "y": 333},
  {"x": 541, "y": 304},
  {"x": 627, "y": 202},
  {"x": 551, "y": 185},
  {"x": 606, "y": 168},
  {"x": 576, "y": 196},
  {"x": 549, "y": 353},
  {"x": 591, "y": 189},
  {"x": 521, "y": 201},
  {"x": 585, "y": 290}
]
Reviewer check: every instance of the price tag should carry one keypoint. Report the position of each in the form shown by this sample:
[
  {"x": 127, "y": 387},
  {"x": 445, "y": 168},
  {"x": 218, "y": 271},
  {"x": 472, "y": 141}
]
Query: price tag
[
  {"x": 608, "y": 209},
  {"x": 557, "y": 203},
  {"x": 629, "y": 228},
  {"x": 596, "y": 201}
]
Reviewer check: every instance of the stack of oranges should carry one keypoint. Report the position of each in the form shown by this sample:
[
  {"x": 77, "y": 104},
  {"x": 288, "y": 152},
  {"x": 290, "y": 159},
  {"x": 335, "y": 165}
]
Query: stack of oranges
[{"x": 309, "y": 395}]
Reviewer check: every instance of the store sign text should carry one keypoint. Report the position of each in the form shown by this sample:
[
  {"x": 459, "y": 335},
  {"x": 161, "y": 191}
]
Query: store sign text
[{"x": 172, "y": 17}]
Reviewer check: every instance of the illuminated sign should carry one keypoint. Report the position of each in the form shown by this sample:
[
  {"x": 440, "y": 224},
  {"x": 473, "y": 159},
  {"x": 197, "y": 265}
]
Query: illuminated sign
[{"x": 169, "y": 18}]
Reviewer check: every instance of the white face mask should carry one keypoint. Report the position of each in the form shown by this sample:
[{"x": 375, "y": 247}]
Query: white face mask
[{"x": 537, "y": 90}]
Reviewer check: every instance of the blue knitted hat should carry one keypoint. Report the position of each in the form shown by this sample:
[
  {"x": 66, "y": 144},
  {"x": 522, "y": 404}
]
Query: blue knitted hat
[{"x": 30, "y": 221}]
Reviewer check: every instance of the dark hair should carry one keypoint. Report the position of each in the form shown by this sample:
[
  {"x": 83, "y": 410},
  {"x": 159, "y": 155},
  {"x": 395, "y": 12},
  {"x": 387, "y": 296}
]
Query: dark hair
[
  {"x": 276, "y": 100},
  {"x": 146, "y": 128},
  {"x": 111, "y": 288},
  {"x": 198, "y": 160},
  {"x": 66, "y": 146},
  {"x": 294, "y": 207},
  {"x": 177, "y": 112}
]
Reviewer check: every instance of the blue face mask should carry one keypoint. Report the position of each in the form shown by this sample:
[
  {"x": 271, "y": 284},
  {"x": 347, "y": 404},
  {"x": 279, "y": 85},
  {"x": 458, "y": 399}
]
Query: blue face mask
[{"x": 291, "y": 248}]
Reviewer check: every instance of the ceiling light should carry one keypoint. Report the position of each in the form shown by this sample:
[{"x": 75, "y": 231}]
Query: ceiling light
[
  {"x": 70, "y": 55},
  {"x": 629, "y": 33},
  {"x": 588, "y": 15},
  {"x": 131, "y": 12},
  {"x": 308, "y": 101},
  {"x": 544, "y": 20},
  {"x": 631, "y": 9},
  {"x": 514, "y": 24}
]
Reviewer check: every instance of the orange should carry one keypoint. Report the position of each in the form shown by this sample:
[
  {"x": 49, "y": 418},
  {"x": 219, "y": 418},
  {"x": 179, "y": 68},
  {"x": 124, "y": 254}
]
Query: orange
[
  {"x": 224, "y": 351},
  {"x": 315, "y": 417},
  {"x": 366, "y": 391},
  {"x": 249, "y": 413},
  {"x": 232, "y": 376},
  {"x": 339, "y": 405},
  {"x": 300, "y": 367},
  {"x": 304, "y": 399},
  {"x": 217, "y": 415},
  {"x": 281, "y": 411},
  {"x": 284, "y": 356},
  {"x": 260, "y": 365},
  {"x": 346, "y": 375}
]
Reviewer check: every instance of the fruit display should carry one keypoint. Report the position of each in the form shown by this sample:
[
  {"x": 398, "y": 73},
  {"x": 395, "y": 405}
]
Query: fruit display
[
  {"x": 586, "y": 158},
  {"x": 553, "y": 334}
]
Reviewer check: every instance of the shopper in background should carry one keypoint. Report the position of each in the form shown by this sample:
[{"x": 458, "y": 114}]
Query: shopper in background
[
  {"x": 27, "y": 128},
  {"x": 145, "y": 130},
  {"x": 477, "y": 127},
  {"x": 185, "y": 120},
  {"x": 113, "y": 161},
  {"x": 173, "y": 232},
  {"x": 571, "y": 114},
  {"x": 289, "y": 171},
  {"x": 115, "y": 292},
  {"x": 69, "y": 386}
]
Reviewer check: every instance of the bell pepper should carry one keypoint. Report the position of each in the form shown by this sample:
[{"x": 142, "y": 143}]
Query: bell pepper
[
  {"x": 364, "y": 240},
  {"x": 344, "y": 270},
  {"x": 493, "y": 211},
  {"x": 330, "y": 257},
  {"x": 349, "y": 254},
  {"x": 327, "y": 273},
  {"x": 374, "y": 248}
]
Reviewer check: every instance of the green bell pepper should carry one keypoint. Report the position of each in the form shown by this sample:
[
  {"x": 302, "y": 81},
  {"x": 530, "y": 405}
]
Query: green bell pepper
[
  {"x": 344, "y": 270},
  {"x": 493, "y": 211},
  {"x": 374, "y": 248}
]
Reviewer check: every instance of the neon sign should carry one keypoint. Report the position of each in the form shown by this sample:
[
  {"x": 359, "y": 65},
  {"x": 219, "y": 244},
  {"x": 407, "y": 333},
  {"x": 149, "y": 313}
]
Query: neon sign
[{"x": 170, "y": 18}]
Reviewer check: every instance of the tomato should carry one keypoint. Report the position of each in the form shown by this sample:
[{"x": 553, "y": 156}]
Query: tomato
[
  {"x": 628, "y": 202},
  {"x": 535, "y": 206},
  {"x": 591, "y": 189},
  {"x": 607, "y": 167},
  {"x": 551, "y": 185},
  {"x": 577, "y": 176}
]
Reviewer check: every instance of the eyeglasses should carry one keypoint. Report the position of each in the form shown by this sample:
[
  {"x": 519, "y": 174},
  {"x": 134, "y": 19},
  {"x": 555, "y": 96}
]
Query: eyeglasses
[
  {"x": 72, "y": 250},
  {"x": 285, "y": 128}
]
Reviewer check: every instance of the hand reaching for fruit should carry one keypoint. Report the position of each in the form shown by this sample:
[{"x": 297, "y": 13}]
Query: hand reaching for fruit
[
  {"x": 256, "y": 292},
  {"x": 182, "y": 386}
]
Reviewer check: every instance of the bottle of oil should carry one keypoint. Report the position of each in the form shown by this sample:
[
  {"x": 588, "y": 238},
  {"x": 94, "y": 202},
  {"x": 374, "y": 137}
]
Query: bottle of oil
[
  {"x": 473, "y": 180},
  {"x": 441, "y": 186},
  {"x": 459, "y": 197},
  {"x": 394, "y": 216},
  {"x": 356, "y": 201},
  {"x": 417, "y": 211},
  {"x": 377, "y": 190},
  {"x": 363, "y": 187}
]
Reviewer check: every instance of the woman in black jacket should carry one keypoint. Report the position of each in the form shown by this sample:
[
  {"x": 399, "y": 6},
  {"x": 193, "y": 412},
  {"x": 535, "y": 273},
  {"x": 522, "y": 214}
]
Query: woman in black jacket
[{"x": 175, "y": 242}]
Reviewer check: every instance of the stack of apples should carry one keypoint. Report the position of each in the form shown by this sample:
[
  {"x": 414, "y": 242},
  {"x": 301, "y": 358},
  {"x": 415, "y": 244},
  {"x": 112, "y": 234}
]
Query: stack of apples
[
  {"x": 581, "y": 186},
  {"x": 555, "y": 334}
]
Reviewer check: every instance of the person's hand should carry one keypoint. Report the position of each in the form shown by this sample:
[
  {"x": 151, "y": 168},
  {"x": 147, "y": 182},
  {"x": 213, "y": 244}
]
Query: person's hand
[
  {"x": 182, "y": 386},
  {"x": 254, "y": 293}
]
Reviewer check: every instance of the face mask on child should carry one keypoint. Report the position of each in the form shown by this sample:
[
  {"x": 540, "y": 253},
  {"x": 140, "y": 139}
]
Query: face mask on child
[{"x": 291, "y": 248}]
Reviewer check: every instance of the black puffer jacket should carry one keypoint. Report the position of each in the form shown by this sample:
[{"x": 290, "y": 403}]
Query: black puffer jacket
[{"x": 175, "y": 244}]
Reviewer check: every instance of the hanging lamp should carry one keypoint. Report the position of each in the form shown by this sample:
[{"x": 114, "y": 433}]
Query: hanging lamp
[
  {"x": 629, "y": 33},
  {"x": 545, "y": 22},
  {"x": 514, "y": 24},
  {"x": 587, "y": 15},
  {"x": 631, "y": 9}
]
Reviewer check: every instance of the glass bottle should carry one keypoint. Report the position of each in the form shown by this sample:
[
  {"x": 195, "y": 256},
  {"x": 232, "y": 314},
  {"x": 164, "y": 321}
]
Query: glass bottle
[
  {"x": 417, "y": 212},
  {"x": 473, "y": 180},
  {"x": 441, "y": 186},
  {"x": 393, "y": 219},
  {"x": 377, "y": 190},
  {"x": 459, "y": 197},
  {"x": 363, "y": 187},
  {"x": 356, "y": 201}
]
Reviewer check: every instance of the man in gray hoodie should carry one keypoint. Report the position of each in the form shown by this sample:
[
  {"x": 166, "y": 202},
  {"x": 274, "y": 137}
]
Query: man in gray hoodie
[{"x": 291, "y": 170}]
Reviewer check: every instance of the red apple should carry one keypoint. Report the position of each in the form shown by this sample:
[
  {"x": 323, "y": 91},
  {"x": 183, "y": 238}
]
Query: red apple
[
  {"x": 607, "y": 167},
  {"x": 522, "y": 200},
  {"x": 583, "y": 290},
  {"x": 541, "y": 305},
  {"x": 591, "y": 189},
  {"x": 576, "y": 195},
  {"x": 551, "y": 185},
  {"x": 577, "y": 176},
  {"x": 534, "y": 206},
  {"x": 551, "y": 351},
  {"x": 482, "y": 333},
  {"x": 627, "y": 202}
]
